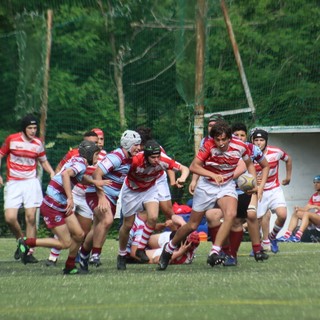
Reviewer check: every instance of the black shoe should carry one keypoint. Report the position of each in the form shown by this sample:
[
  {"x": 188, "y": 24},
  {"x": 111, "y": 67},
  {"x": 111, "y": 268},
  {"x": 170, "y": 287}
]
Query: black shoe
[
  {"x": 17, "y": 254},
  {"x": 215, "y": 259},
  {"x": 31, "y": 259},
  {"x": 95, "y": 261},
  {"x": 164, "y": 259},
  {"x": 23, "y": 250},
  {"x": 51, "y": 263},
  {"x": 141, "y": 254},
  {"x": 121, "y": 262},
  {"x": 261, "y": 256},
  {"x": 83, "y": 262}
]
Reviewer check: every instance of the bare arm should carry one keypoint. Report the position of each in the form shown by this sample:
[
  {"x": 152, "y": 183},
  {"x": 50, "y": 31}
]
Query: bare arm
[
  {"x": 287, "y": 180},
  {"x": 172, "y": 177},
  {"x": 197, "y": 167},
  {"x": 184, "y": 175},
  {"x": 193, "y": 183},
  {"x": 66, "y": 182},
  {"x": 47, "y": 167},
  {"x": 240, "y": 169}
]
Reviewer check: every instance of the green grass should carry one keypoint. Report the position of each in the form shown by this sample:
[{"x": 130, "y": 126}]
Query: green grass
[{"x": 284, "y": 287}]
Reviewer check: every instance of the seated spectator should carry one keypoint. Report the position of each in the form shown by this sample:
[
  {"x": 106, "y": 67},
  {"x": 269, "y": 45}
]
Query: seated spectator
[{"x": 309, "y": 216}]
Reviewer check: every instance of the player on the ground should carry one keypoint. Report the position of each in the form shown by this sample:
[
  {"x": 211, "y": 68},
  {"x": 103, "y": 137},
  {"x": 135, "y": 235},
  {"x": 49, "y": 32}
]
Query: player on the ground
[{"x": 140, "y": 191}]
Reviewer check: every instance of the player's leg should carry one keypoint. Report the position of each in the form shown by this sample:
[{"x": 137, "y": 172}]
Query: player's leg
[{"x": 124, "y": 231}]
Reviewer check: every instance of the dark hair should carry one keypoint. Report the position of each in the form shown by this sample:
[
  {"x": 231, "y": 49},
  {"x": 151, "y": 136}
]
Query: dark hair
[
  {"x": 90, "y": 134},
  {"x": 220, "y": 128},
  {"x": 145, "y": 134},
  {"x": 239, "y": 126}
]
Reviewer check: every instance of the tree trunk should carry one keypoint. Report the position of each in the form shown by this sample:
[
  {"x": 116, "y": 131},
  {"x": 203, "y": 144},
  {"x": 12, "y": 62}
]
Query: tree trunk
[{"x": 199, "y": 76}]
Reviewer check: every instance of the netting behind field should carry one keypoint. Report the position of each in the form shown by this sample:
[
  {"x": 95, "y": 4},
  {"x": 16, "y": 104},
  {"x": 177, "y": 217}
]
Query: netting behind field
[{"x": 133, "y": 62}]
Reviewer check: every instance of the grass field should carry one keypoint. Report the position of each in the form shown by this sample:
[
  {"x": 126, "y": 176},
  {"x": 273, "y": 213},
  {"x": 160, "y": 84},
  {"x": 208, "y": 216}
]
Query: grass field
[{"x": 284, "y": 287}]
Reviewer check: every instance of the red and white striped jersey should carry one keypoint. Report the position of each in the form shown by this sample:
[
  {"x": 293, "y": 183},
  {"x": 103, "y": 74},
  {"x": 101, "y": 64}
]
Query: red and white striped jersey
[
  {"x": 273, "y": 156},
  {"x": 315, "y": 200},
  {"x": 143, "y": 176},
  {"x": 223, "y": 163},
  {"x": 22, "y": 156}
]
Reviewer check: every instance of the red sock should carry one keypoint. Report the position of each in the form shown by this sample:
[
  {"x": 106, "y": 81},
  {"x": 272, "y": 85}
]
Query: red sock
[
  {"x": 256, "y": 247},
  {"x": 235, "y": 238},
  {"x": 96, "y": 251},
  {"x": 71, "y": 263},
  {"x": 30, "y": 242}
]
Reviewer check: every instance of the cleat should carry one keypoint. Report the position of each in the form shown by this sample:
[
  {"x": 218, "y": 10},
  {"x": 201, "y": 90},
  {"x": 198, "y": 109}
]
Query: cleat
[
  {"x": 294, "y": 239},
  {"x": 95, "y": 260},
  {"x": 17, "y": 254},
  {"x": 164, "y": 259},
  {"x": 230, "y": 261},
  {"x": 274, "y": 246},
  {"x": 215, "y": 259},
  {"x": 31, "y": 259},
  {"x": 70, "y": 271},
  {"x": 121, "y": 262},
  {"x": 261, "y": 256},
  {"x": 283, "y": 239},
  {"x": 83, "y": 262},
  {"x": 51, "y": 263},
  {"x": 251, "y": 254},
  {"x": 23, "y": 250},
  {"x": 141, "y": 254}
]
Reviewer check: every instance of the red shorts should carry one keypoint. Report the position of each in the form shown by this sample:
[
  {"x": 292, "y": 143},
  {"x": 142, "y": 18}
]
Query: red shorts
[
  {"x": 93, "y": 201},
  {"x": 52, "y": 217}
]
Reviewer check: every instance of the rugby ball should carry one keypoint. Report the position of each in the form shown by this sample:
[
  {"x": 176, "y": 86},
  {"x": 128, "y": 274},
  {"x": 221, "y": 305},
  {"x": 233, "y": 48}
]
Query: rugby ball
[{"x": 246, "y": 182}]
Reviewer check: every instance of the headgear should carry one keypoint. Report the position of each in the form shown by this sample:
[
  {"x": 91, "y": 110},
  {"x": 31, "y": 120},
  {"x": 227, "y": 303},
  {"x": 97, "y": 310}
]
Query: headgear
[
  {"x": 28, "y": 120},
  {"x": 87, "y": 149},
  {"x": 151, "y": 147}
]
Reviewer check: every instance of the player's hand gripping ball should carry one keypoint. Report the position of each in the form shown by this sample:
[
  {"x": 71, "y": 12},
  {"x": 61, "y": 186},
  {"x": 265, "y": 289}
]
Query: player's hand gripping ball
[{"x": 246, "y": 182}]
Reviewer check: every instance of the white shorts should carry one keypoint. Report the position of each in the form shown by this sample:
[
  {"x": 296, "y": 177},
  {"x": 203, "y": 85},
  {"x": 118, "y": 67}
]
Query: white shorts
[
  {"x": 271, "y": 200},
  {"x": 206, "y": 194},
  {"x": 118, "y": 206},
  {"x": 163, "y": 188},
  {"x": 164, "y": 238},
  {"x": 26, "y": 193},
  {"x": 81, "y": 207},
  {"x": 132, "y": 201}
]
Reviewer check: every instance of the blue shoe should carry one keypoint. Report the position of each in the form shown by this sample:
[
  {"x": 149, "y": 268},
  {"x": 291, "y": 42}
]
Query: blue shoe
[
  {"x": 274, "y": 245},
  {"x": 283, "y": 239},
  {"x": 294, "y": 239},
  {"x": 230, "y": 261},
  {"x": 251, "y": 254}
]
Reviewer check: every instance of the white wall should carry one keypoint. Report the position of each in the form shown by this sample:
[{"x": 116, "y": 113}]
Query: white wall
[{"x": 304, "y": 148}]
